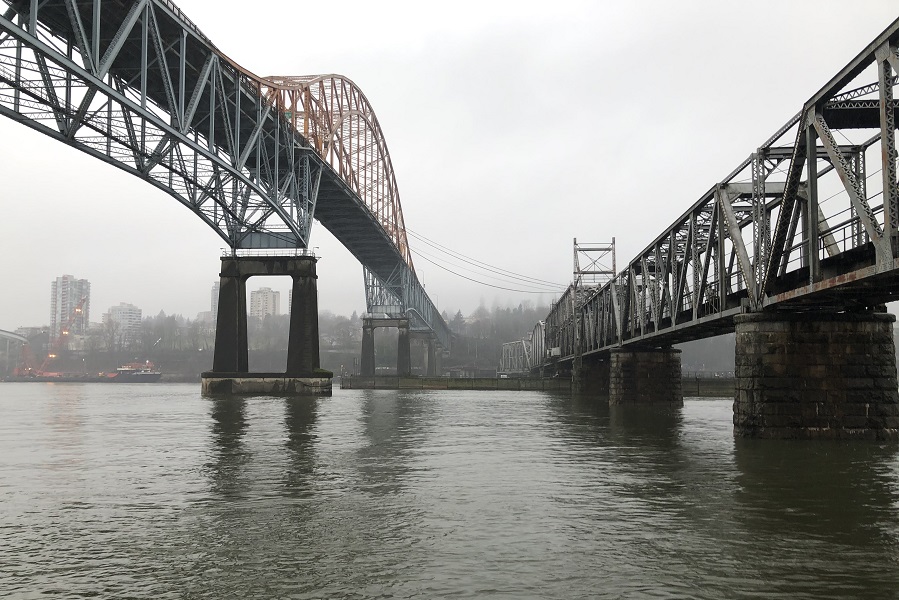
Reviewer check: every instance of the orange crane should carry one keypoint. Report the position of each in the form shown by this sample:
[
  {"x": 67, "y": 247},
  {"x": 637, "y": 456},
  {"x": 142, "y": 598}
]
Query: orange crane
[
  {"x": 62, "y": 338},
  {"x": 26, "y": 362}
]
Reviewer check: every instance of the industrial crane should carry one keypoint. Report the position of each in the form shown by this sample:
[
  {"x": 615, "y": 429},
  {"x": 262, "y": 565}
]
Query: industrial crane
[{"x": 57, "y": 345}]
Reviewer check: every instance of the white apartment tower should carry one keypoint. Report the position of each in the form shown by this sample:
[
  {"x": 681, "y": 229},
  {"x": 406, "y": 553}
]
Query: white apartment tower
[
  {"x": 265, "y": 301},
  {"x": 66, "y": 294},
  {"x": 214, "y": 301},
  {"x": 128, "y": 318}
]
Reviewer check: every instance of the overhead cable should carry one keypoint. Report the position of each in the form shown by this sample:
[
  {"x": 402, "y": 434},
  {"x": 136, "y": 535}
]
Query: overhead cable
[
  {"x": 436, "y": 264},
  {"x": 481, "y": 264}
]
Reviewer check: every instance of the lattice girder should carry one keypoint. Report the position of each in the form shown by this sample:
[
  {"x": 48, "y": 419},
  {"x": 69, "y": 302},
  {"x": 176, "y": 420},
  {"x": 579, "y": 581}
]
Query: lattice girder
[
  {"x": 137, "y": 85},
  {"x": 768, "y": 235}
]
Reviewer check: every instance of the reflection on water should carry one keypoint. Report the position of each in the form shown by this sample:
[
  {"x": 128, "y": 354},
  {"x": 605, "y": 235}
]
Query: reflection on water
[
  {"x": 299, "y": 421},
  {"x": 64, "y": 418},
  {"x": 816, "y": 505},
  {"x": 230, "y": 455},
  {"x": 158, "y": 492},
  {"x": 813, "y": 484},
  {"x": 395, "y": 427}
]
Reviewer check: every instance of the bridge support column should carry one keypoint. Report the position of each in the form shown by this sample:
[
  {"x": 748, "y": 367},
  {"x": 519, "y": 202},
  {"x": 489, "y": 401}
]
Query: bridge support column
[
  {"x": 590, "y": 375},
  {"x": 230, "y": 354},
  {"x": 368, "y": 348},
  {"x": 403, "y": 350},
  {"x": 438, "y": 363},
  {"x": 432, "y": 357},
  {"x": 230, "y": 367},
  {"x": 302, "y": 350},
  {"x": 645, "y": 376},
  {"x": 816, "y": 375}
]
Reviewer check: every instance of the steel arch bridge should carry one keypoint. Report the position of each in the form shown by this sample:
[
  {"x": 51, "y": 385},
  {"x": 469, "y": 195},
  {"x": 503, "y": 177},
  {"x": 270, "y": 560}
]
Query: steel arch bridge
[
  {"x": 809, "y": 221},
  {"x": 136, "y": 84}
]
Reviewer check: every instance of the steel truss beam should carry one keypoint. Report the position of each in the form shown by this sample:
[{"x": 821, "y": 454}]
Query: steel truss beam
[
  {"x": 137, "y": 85},
  {"x": 794, "y": 227},
  {"x": 400, "y": 295},
  {"x": 104, "y": 106},
  {"x": 516, "y": 358}
]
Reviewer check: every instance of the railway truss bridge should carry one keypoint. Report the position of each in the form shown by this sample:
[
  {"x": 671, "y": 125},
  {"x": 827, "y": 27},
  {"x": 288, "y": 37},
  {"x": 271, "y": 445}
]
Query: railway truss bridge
[
  {"x": 796, "y": 249},
  {"x": 135, "y": 84}
]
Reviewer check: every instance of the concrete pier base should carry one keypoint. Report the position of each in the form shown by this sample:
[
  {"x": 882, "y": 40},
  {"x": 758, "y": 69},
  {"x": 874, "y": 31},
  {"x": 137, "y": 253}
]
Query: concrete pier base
[
  {"x": 264, "y": 384},
  {"x": 368, "y": 349},
  {"x": 403, "y": 350},
  {"x": 645, "y": 376},
  {"x": 432, "y": 357},
  {"x": 816, "y": 375},
  {"x": 230, "y": 368},
  {"x": 403, "y": 344}
]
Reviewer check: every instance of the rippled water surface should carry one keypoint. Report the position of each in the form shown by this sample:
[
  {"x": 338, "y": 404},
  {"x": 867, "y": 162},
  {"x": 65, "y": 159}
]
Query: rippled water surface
[{"x": 115, "y": 491}]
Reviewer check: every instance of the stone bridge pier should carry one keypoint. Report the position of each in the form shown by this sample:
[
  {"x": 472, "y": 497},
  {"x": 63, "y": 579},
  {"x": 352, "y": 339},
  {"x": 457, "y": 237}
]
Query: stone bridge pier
[
  {"x": 403, "y": 343},
  {"x": 230, "y": 367},
  {"x": 631, "y": 376},
  {"x": 816, "y": 375},
  {"x": 645, "y": 376}
]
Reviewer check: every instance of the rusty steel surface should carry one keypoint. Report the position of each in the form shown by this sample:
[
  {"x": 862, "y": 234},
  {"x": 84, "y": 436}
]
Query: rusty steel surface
[{"x": 337, "y": 119}]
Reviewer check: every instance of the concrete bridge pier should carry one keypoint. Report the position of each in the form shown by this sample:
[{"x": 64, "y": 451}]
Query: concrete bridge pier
[
  {"x": 230, "y": 366},
  {"x": 368, "y": 348},
  {"x": 816, "y": 375},
  {"x": 230, "y": 354},
  {"x": 645, "y": 376},
  {"x": 432, "y": 371},
  {"x": 427, "y": 341},
  {"x": 303, "y": 347},
  {"x": 403, "y": 349}
]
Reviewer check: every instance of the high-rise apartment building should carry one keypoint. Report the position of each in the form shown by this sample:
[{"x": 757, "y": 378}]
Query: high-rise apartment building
[
  {"x": 214, "y": 301},
  {"x": 127, "y": 319},
  {"x": 265, "y": 301},
  {"x": 66, "y": 294}
]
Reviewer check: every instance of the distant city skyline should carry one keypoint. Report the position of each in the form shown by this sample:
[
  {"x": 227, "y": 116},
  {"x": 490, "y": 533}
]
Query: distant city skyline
[{"x": 67, "y": 290}]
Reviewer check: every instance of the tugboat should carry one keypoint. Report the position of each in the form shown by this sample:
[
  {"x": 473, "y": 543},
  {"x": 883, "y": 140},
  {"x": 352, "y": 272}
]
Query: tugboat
[{"x": 145, "y": 372}]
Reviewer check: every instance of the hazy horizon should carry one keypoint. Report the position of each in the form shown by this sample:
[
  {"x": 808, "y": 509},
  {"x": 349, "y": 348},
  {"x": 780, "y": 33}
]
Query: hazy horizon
[
  {"x": 279, "y": 284},
  {"x": 511, "y": 131}
]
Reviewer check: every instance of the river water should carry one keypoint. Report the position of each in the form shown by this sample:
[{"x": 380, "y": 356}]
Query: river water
[{"x": 153, "y": 491}]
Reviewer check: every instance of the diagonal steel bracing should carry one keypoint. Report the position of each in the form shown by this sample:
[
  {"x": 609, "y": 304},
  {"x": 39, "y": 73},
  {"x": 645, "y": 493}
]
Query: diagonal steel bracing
[
  {"x": 137, "y": 85},
  {"x": 808, "y": 221}
]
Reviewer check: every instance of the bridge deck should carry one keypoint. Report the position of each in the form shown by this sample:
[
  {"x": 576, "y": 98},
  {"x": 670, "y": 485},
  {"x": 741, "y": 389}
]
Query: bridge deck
[{"x": 338, "y": 208}]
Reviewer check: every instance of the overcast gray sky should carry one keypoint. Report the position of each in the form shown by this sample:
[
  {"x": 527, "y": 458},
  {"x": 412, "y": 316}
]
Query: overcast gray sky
[{"x": 513, "y": 127}]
